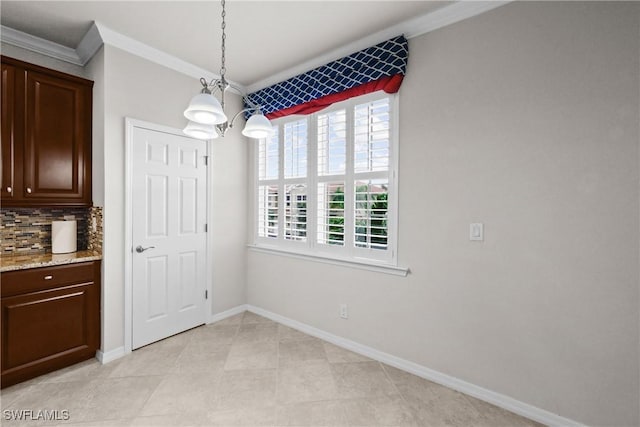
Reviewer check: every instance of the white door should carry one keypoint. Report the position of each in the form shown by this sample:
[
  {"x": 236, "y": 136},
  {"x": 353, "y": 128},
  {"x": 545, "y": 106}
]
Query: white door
[{"x": 168, "y": 234}]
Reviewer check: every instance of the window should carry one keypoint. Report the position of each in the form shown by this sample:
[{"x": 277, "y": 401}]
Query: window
[{"x": 326, "y": 182}]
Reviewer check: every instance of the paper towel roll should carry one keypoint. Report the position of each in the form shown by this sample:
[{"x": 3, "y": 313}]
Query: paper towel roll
[{"x": 64, "y": 237}]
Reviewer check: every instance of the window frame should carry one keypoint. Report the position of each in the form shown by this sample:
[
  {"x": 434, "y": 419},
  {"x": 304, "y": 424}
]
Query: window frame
[{"x": 310, "y": 248}]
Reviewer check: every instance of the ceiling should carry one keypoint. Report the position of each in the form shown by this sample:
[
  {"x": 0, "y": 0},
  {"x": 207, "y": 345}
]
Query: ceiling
[{"x": 263, "y": 37}]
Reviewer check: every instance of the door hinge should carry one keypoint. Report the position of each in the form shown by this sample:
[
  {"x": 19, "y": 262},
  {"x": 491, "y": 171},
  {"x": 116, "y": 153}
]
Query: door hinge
[
  {"x": 206, "y": 294},
  {"x": 206, "y": 160},
  {"x": 206, "y": 228}
]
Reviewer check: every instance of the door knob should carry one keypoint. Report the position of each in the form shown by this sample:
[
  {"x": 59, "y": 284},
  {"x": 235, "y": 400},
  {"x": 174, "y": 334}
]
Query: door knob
[
  {"x": 140, "y": 249},
  {"x": 9, "y": 189},
  {"x": 29, "y": 190}
]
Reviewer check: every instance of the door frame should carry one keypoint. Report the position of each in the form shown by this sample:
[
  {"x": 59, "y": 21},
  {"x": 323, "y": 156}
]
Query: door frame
[{"x": 130, "y": 125}]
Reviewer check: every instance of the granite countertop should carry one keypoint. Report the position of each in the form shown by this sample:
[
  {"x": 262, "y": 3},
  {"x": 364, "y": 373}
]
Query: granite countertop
[{"x": 23, "y": 262}]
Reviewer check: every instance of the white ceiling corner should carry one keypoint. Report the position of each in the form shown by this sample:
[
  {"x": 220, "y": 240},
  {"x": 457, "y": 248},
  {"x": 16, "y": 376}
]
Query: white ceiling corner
[
  {"x": 90, "y": 44},
  {"x": 99, "y": 34},
  {"x": 414, "y": 27}
]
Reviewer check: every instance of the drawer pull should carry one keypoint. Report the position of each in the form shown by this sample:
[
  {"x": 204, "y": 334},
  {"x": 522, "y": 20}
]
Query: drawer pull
[{"x": 48, "y": 277}]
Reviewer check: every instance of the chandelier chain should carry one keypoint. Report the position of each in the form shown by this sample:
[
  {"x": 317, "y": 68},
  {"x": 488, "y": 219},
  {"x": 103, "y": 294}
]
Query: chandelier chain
[
  {"x": 223, "y": 68},
  {"x": 206, "y": 114}
]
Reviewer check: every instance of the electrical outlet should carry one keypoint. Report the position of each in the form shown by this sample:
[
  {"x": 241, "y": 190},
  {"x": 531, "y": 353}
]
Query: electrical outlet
[{"x": 344, "y": 311}]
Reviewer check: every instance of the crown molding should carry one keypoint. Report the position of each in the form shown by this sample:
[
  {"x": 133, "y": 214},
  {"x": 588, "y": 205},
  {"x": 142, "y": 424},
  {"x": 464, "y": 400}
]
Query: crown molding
[
  {"x": 142, "y": 50},
  {"x": 100, "y": 34},
  {"x": 36, "y": 44},
  {"x": 447, "y": 15},
  {"x": 90, "y": 44},
  {"x": 97, "y": 36},
  {"x": 411, "y": 28}
]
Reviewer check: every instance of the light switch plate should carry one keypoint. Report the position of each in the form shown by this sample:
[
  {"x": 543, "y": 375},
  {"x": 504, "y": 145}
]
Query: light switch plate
[{"x": 476, "y": 231}]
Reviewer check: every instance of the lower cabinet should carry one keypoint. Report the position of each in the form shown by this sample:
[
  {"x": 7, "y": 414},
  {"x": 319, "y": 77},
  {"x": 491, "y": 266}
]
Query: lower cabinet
[{"x": 50, "y": 319}]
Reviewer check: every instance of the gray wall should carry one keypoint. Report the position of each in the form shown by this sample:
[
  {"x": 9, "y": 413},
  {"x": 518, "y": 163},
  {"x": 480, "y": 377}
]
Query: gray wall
[
  {"x": 140, "y": 89},
  {"x": 95, "y": 71},
  {"x": 524, "y": 118}
]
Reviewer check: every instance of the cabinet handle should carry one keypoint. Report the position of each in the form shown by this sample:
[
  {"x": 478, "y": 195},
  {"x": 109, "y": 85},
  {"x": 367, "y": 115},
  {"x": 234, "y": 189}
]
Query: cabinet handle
[
  {"x": 48, "y": 277},
  {"x": 9, "y": 189},
  {"x": 29, "y": 190}
]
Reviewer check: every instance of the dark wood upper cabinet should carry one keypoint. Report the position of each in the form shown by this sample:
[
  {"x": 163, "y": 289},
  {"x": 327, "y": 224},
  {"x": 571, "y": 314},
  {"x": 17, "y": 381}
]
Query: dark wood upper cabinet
[
  {"x": 8, "y": 148},
  {"x": 46, "y": 137}
]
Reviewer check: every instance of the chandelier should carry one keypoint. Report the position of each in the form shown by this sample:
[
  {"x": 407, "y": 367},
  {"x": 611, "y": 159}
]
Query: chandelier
[{"x": 207, "y": 118}]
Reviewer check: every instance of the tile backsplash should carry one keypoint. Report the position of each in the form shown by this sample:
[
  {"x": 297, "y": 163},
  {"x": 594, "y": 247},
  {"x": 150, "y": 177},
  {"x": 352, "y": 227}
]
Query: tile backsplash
[
  {"x": 28, "y": 230},
  {"x": 94, "y": 242}
]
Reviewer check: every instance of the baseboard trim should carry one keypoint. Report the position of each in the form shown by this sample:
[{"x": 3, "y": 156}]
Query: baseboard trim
[
  {"x": 110, "y": 356},
  {"x": 500, "y": 400},
  {"x": 227, "y": 313}
]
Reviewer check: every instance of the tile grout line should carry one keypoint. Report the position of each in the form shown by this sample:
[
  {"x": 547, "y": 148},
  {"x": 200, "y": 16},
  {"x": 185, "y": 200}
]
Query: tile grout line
[
  {"x": 218, "y": 398},
  {"x": 342, "y": 407},
  {"x": 402, "y": 396},
  {"x": 277, "y": 404}
]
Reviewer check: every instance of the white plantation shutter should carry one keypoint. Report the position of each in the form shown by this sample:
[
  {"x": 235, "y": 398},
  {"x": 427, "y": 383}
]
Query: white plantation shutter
[
  {"x": 268, "y": 195},
  {"x": 371, "y": 134},
  {"x": 295, "y": 149},
  {"x": 333, "y": 193},
  {"x": 332, "y": 143},
  {"x": 268, "y": 157},
  {"x": 371, "y": 214},
  {"x": 371, "y": 172},
  {"x": 331, "y": 213},
  {"x": 332, "y": 166},
  {"x": 268, "y": 211},
  {"x": 295, "y": 216}
]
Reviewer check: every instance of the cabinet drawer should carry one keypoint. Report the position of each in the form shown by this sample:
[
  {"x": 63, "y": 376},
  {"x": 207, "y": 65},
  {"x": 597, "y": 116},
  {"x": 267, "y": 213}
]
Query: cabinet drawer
[{"x": 37, "y": 279}]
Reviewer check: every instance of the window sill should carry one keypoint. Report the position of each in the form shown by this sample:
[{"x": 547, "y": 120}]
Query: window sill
[{"x": 362, "y": 265}]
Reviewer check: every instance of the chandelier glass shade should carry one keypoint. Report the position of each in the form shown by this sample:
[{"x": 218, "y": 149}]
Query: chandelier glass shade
[
  {"x": 206, "y": 114},
  {"x": 258, "y": 126},
  {"x": 199, "y": 131},
  {"x": 205, "y": 108}
]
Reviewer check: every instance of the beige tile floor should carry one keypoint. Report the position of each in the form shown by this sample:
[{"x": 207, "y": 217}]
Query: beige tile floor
[{"x": 247, "y": 371}]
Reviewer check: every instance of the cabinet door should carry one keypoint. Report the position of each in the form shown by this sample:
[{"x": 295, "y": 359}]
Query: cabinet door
[
  {"x": 50, "y": 319},
  {"x": 8, "y": 129},
  {"x": 46, "y": 330},
  {"x": 57, "y": 141}
]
